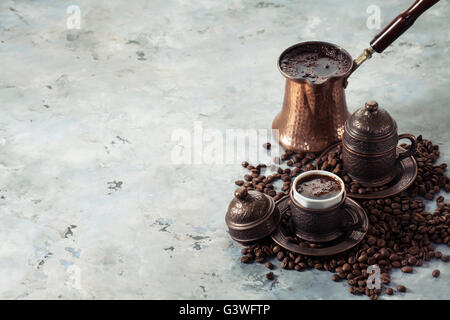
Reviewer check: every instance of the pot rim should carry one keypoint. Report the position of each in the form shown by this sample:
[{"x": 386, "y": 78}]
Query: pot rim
[{"x": 306, "y": 80}]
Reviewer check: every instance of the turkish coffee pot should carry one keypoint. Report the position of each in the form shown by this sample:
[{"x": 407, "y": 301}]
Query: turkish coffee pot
[{"x": 314, "y": 112}]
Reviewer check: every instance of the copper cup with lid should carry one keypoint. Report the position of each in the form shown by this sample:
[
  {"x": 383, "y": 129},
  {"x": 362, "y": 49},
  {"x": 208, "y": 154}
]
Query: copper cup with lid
[
  {"x": 251, "y": 216},
  {"x": 370, "y": 140}
]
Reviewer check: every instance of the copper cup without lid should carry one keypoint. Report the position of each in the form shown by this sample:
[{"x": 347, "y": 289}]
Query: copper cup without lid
[
  {"x": 251, "y": 216},
  {"x": 370, "y": 146}
]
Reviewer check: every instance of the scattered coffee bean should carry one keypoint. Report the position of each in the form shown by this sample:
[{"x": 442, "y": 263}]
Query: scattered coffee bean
[
  {"x": 267, "y": 145},
  {"x": 407, "y": 269},
  {"x": 269, "y": 265},
  {"x": 436, "y": 273},
  {"x": 401, "y": 288},
  {"x": 270, "y": 276},
  {"x": 389, "y": 291}
]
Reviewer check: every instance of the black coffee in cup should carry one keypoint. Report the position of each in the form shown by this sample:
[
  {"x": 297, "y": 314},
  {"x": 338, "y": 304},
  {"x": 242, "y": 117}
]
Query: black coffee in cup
[{"x": 318, "y": 187}]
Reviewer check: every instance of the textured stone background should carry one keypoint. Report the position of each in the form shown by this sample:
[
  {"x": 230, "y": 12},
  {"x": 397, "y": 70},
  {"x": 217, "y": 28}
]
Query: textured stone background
[{"x": 88, "y": 190}]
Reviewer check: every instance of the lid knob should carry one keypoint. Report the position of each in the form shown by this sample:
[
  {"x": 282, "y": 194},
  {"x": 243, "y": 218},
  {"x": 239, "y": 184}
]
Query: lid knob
[
  {"x": 371, "y": 106},
  {"x": 241, "y": 193}
]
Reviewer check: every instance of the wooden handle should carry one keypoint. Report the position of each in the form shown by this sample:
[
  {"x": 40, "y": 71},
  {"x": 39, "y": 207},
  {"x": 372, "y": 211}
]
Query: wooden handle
[{"x": 400, "y": 24}]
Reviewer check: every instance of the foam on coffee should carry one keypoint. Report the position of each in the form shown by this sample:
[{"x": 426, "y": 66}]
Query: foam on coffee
[
  {"x": 315, "y": 64},
  {"x": 318, "y": 187}
]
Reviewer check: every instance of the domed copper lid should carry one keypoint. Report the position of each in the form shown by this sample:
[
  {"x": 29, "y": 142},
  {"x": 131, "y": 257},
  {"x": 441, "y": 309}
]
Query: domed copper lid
[
  {"x": 247, "y": 207},
  {"x": 371, "y": 121},
  {"x": 370, "y": 130},
  {"x": 251, "y": 215}
]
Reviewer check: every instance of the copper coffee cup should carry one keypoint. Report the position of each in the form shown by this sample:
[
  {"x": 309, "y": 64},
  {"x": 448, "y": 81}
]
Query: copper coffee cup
[
  {"x": 320, "y": 224},
  {"x": 370, "y": 146}
]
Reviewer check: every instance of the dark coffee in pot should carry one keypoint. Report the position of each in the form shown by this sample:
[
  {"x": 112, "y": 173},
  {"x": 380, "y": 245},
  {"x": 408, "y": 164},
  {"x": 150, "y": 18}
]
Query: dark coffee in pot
[
  {"x": 319, "y": 187},
  {"x": 315, "y": 64}
]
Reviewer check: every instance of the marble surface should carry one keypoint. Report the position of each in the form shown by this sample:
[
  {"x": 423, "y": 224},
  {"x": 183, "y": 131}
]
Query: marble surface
[{"x": 93, "y": 204}]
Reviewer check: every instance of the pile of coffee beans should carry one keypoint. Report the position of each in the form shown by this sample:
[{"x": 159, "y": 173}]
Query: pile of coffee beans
[
  {"x": 255, "y": 180},
  {"x": 431, "y": 177},
  {"x": 401, "y": 232}
]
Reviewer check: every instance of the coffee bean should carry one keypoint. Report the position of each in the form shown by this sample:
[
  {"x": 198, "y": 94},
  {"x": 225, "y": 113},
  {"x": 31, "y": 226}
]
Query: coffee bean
[
  {"x": 401, "y": 288},
  {"x": 269, "y": 265},
  {"x": 267, "y": 145},
  {"x": 436, "y": 273},
  {"x": 445, "y": 258},
  {"x": 346, "y": 267},
  {"x": 389, "y": 291},
  {"x": 239, "y": 182},
  {"x": 412, "y": 261},
  {"x": 371, "y": 241},
  {"x": 244, "y": 164},
  {"x": 407, "y": 269},
  {"x": 280, "y": 255},
  {"x": 270, "y": 276},
  {"x": 260, "y": 259}
]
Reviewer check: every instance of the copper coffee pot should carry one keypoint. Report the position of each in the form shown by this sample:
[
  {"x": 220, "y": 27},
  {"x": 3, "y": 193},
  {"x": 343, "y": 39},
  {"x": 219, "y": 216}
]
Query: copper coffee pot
[{"x": 313, "y": 114}]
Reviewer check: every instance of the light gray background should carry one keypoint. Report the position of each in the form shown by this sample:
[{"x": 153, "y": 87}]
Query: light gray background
[{"x": 86, "y": 123}]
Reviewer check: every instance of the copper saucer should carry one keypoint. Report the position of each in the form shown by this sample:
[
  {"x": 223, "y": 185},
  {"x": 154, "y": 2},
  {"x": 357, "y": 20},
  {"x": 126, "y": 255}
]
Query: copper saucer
[
  {"x": 345, "y": 242},
  {"x": 404, "y": 178}
]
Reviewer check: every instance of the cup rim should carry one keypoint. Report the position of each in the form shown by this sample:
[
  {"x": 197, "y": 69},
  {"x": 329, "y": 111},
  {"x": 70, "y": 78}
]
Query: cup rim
[
  {"x": 320, "y": 172},
  {"x": 334, "y": 207}
]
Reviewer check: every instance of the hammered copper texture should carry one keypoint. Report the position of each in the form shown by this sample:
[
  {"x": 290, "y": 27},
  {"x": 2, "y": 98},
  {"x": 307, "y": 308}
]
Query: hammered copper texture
[
  {"x": 347, "y": 241},
  {"x": 313, "y": 115}
]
